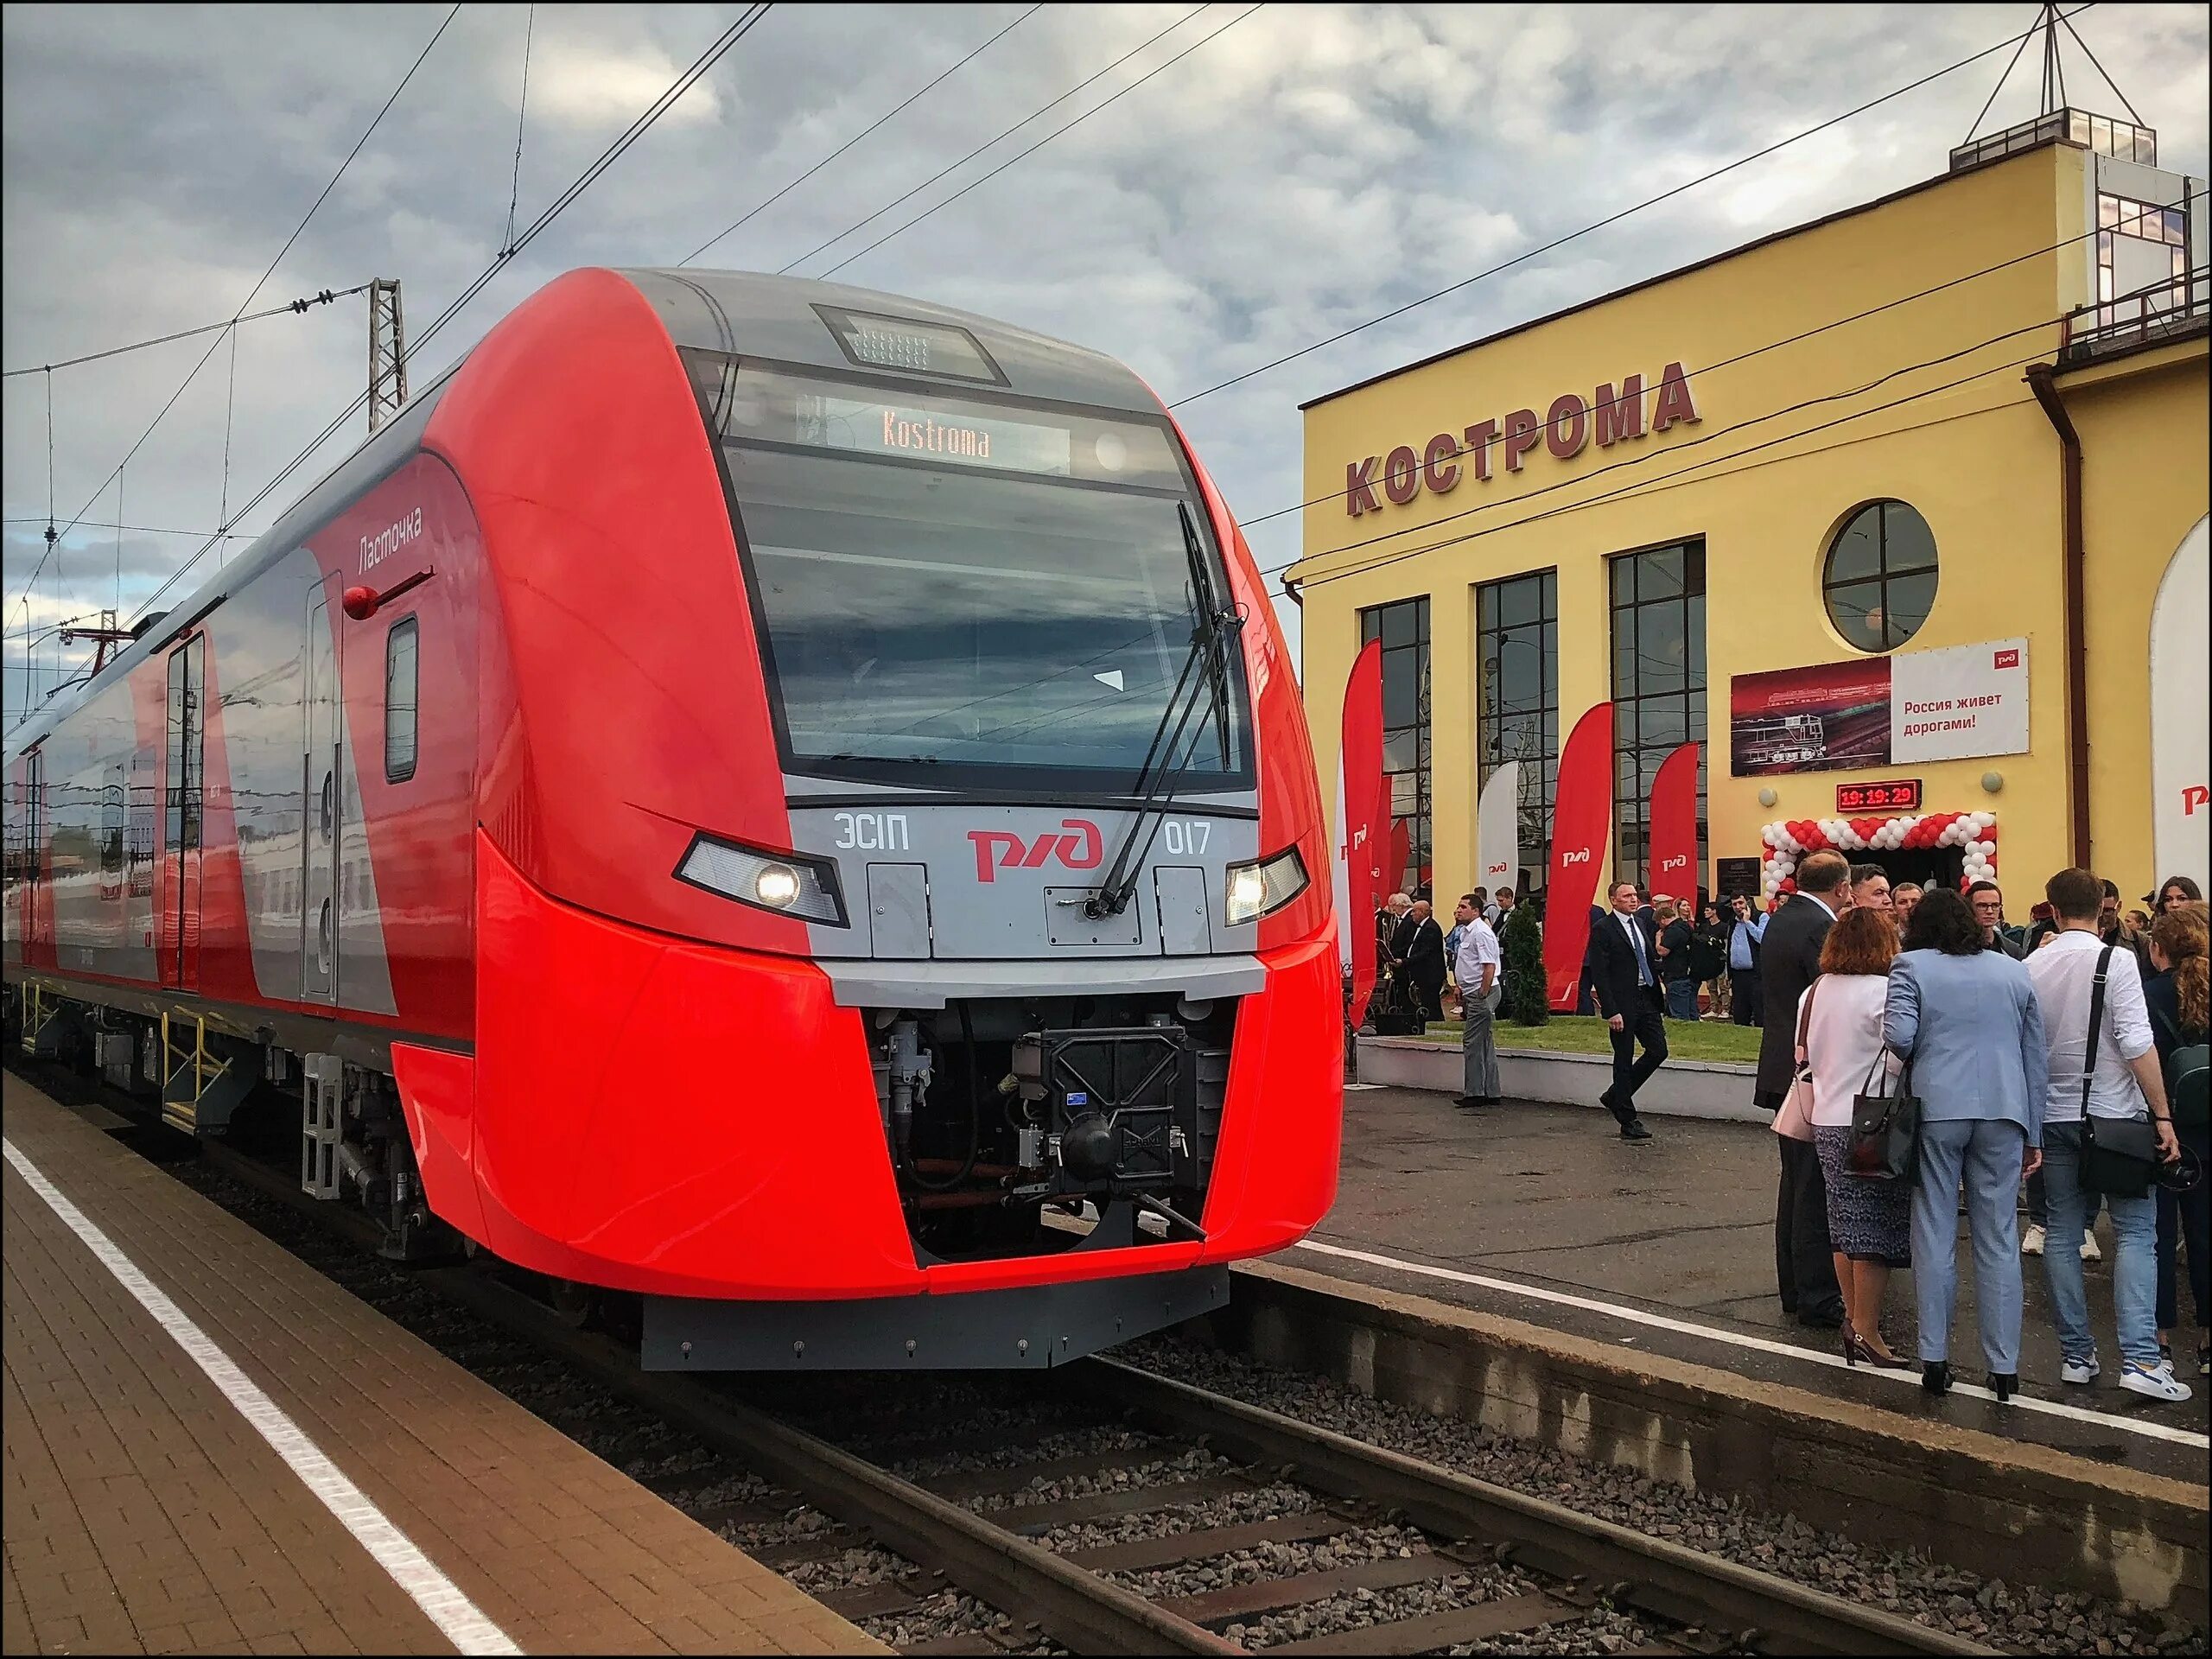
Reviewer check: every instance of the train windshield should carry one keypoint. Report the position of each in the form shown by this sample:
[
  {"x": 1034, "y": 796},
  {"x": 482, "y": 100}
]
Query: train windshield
[{"x": 956, "y": 585}]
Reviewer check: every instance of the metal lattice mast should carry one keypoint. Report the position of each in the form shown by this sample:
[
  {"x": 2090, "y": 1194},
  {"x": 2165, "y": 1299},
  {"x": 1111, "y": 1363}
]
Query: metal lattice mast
[{"x": 387, "y": 352}]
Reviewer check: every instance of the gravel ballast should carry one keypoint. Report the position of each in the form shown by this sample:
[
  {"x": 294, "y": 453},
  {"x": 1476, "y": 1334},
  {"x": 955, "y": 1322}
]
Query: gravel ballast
[{"x": 2024, "y": 1619}]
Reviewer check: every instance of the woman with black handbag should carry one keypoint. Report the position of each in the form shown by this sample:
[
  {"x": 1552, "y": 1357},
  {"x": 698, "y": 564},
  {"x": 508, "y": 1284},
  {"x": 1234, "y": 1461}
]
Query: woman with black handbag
[
  {"x": 1965, "y": 1020},
  {"x": 2106, "y": 1132}
]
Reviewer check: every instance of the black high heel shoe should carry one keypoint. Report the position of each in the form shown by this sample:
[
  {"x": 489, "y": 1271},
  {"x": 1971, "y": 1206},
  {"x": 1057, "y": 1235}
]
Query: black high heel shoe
[
  {"x": 1936, "y": 1377},
  {"x": 2004, "y": 1385}
]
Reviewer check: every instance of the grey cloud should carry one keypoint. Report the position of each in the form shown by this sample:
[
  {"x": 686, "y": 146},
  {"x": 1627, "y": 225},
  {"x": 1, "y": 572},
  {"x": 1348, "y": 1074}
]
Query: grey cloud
[{"x": 1313, "y": 167}]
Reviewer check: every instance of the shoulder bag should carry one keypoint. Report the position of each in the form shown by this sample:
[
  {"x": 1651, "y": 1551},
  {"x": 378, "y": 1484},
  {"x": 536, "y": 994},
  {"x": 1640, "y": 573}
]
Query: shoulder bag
[
  {"x": 2122, "y": 1159},
  {"x": 1793, "y": 1119},
  {"x": 1884, "y": 1127}
]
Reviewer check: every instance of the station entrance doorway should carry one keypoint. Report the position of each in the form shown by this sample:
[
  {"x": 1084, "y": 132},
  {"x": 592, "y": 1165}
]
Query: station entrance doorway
[{"x": 1930, "y": 866}]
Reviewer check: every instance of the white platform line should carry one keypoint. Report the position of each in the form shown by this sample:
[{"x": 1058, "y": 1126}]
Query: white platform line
[
  {"x": 462, "y": 1622},
  {"x": 1761, "y": 1344}
]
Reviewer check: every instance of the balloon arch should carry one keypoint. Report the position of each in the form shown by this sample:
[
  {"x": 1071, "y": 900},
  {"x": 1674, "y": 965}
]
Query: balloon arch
[{"x": 1788, "y": 840}]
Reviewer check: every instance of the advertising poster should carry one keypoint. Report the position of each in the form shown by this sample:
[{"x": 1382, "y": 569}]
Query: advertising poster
[
  {"x": 1672, "y": 865},
  {"x": 1961, "y": 703}
]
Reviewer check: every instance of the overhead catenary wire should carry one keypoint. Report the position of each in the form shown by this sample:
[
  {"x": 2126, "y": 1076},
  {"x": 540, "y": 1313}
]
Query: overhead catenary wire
[
  {"x": 1610, "y": 219},
  {"x": 1124, "y": 93},
  {"x": 522, "y": 118},
  {"x": 290, "y": 307},
  {"x": 760, "y": 207},
  {"x": 1622, "y": 396},
  {"x": 786, "y": 268},
  {"x": 193, "y": 373},
  {"x": 660, "y": 106},
  {"x": 144, "y": 530}
]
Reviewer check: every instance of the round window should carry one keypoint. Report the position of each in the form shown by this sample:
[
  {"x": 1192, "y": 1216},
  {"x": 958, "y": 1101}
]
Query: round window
[{"x": 1879, "y": 581}]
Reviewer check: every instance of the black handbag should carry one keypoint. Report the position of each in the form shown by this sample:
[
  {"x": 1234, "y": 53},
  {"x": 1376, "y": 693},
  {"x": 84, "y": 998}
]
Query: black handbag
[
  {"x": 2122, "y": 1159},
  {"x": 1885, "y": 1129}
]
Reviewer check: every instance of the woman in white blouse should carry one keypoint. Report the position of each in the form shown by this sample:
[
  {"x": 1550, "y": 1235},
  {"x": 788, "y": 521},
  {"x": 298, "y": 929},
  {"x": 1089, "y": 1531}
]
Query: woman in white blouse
[{"x": 1870, "y": 1222}]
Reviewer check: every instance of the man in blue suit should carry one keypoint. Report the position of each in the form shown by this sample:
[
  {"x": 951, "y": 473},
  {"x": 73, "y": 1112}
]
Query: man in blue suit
[{"x": 1622, "y": 966}]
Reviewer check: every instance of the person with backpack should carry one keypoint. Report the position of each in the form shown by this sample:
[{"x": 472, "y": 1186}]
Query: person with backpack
[{"x": 2177, "y": 996}]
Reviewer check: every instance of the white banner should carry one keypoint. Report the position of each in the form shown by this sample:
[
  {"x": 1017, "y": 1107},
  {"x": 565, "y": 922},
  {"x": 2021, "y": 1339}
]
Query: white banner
[
  {"x": 2180, "y": 748},
  {"x": 1497, "y": 829},
  {"x": 1961, "y": 703}
]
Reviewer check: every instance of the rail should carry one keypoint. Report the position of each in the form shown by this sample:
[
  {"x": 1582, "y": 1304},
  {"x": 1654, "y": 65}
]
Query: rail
[{"x": 2175, "y": 309}]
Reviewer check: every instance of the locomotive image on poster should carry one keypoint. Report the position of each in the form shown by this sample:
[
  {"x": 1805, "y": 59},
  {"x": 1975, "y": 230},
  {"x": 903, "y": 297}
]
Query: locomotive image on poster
[{"x": 756, "y": 800}]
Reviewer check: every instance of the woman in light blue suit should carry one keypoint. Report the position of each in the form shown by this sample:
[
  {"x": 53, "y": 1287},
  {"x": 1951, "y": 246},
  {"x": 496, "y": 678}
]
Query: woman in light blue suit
[{"x": 1968, "y": 1019}]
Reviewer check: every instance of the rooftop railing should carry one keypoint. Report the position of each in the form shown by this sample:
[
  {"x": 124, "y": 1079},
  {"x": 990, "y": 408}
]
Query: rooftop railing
[
  {"x": 2107, "y": 136},
  {"x": 2170, "y": 310}
]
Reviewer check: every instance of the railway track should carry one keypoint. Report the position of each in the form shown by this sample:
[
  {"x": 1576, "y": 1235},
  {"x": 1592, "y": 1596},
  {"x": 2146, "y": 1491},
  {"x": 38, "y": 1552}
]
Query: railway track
[
  {"x": 1521, "y": 1566},
  {"x": 1181, "y": 1521}
]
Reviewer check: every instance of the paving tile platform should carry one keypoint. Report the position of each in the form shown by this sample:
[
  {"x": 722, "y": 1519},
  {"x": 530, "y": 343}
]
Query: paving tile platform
[{"x": 144, "y": 1512}]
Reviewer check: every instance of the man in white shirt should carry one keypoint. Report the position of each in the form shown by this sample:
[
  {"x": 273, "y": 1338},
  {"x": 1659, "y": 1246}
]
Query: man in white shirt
[
  {"x": 1478, "y": 967},
  {"x": 2124, "y": 1082}
]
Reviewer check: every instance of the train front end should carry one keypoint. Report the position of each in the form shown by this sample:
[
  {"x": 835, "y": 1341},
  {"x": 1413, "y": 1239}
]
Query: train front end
[{"x": 1001, "y": 991}]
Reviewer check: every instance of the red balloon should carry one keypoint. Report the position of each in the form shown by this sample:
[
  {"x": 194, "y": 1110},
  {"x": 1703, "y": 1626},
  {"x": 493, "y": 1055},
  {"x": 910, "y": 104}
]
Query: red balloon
[{"x": 1988, "y": 832}]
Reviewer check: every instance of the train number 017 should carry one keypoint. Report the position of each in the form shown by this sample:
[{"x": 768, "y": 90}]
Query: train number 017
[
  {"x": 1185, "y": 836},
  {"x": 874, "y": 832}
]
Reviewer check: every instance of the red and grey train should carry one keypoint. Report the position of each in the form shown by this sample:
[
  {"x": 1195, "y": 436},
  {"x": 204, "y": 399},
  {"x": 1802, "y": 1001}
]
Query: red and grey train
[{"x": 750, "y": 795}]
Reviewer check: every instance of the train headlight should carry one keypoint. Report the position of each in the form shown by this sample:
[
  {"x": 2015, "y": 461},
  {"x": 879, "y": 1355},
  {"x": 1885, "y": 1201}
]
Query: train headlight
[
  {"x": 782, "y": 882},
  {"x": 1264, "y": 885}
]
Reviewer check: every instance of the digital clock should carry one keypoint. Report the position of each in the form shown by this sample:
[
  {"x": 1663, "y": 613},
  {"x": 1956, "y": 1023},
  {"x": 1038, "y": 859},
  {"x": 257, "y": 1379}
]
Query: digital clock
[{"x": 1895, "y": 795}]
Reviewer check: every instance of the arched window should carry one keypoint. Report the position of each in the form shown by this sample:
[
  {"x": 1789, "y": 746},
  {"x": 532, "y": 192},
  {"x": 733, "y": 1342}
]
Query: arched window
[{"x": 1879, "y": 580}]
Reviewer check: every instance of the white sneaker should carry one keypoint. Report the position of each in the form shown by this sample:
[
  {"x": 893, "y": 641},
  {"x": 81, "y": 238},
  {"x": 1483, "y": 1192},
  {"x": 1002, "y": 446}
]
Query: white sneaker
[
  {"x": 2154, "y": 1383},
  {"x": 2089, "y": 1250},
  {"x": 2032, "y": 1241},
  {"x": 2080, "y": 1373}
]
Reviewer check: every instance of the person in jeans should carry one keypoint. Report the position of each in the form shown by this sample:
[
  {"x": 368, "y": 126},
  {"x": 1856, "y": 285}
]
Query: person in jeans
[
  {"x": 2123, "y": 1082},
  {"x": 1480, "y": 965},
  {"x": 1747, "y": 928},
  {"x": 2178, "y": 998},
  {"x": 1967, "y": 1018},
  {"x": 1677, "y": 958}
]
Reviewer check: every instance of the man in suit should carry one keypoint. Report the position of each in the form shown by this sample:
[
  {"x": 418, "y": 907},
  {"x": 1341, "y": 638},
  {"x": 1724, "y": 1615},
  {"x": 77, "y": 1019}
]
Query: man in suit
[
  {"x": 1621, "y": 968},
  {"x": 1420, "y": 944},
  {"x": 1790, "y": 961}
]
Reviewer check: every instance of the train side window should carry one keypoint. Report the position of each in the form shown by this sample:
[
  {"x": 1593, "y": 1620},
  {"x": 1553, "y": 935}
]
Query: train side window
[{"x": 401, "y": 677}]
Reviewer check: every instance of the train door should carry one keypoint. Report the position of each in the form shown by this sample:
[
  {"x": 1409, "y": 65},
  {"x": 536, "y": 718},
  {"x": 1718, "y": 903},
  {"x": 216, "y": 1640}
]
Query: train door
[
  {"x": 180, "y": 909},
  {"x": 321, "y": 805},
  {"x": 25, "y": 856}
]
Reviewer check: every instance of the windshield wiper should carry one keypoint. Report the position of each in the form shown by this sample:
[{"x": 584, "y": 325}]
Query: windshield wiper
[{"x": 1204, "y": 670}]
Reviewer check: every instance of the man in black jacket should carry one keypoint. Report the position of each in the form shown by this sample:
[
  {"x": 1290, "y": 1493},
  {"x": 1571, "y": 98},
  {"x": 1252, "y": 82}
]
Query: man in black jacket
[
  {"x": 1621, "y": 968},
  {"x": 1790, "y": 961},
  {"x": 1420, "y": 944}
]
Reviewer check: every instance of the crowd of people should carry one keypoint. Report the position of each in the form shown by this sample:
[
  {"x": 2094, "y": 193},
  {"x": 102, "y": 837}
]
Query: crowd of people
[
  {"x": 1926, "y": 1059},
  {"x": 1954, "y": 1056}
]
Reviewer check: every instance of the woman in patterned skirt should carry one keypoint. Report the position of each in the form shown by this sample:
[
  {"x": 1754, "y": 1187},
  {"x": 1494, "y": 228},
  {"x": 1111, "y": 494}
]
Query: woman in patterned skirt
[{"x": 1870, "y": 1222}]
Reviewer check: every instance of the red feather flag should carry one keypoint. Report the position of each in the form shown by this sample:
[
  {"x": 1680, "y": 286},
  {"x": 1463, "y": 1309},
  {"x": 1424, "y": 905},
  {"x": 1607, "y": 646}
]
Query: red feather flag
[
  {"x": 1363, "y": 816},
  {"x": 1673, "y": 865},
  {"x": 1582, "y": 824}
]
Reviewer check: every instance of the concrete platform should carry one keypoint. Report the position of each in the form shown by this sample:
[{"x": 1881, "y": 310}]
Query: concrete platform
[
  {"x": 210, "y": 1447},
  {"x": 1542, "y": 1213},
  {"x": 1713, "y": 1089}
]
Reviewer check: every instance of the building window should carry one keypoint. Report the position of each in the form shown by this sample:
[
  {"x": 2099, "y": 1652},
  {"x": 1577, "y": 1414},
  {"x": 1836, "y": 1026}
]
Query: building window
[
  {"x": 1516, "y": 644},
  {"x": 1658, "y": 606},
  {"x": 1403, "y": 629},
  {"x": 1879, "y": 580},
  {"x": 2139, "y": 245},
  {"x": 400, "y": 676}
]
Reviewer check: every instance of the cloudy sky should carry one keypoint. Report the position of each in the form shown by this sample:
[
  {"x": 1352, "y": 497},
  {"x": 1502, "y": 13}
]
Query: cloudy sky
[{"x": 1311, "y": 167}]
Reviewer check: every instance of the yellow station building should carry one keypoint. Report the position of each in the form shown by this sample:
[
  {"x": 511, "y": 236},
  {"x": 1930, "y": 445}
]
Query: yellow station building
[{"x": 1797, "y": 503}]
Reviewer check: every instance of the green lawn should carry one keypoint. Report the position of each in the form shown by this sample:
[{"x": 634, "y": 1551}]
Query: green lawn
[{"x": 1704, "y": 1039}]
